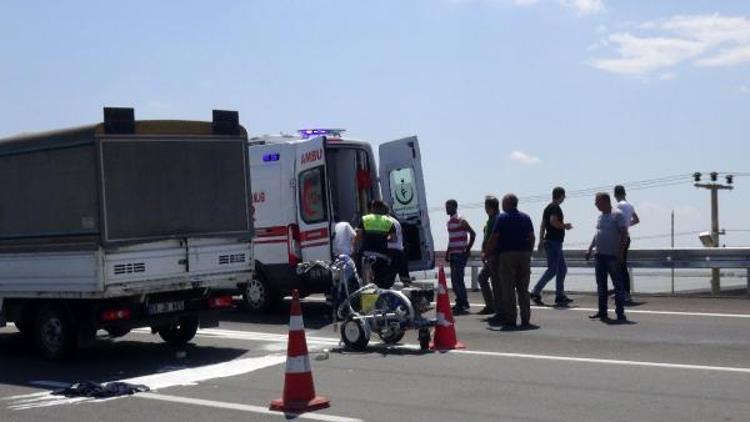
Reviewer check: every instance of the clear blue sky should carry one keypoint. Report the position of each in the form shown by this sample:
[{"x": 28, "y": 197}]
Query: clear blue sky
[{"x": 505, "y": 95}]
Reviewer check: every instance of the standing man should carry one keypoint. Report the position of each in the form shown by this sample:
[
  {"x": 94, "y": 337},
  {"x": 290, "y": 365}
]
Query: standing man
[
  {"x": 632, "y": 219},
  {"x": 399, "y": 263},
  {"x": 492, "y": 295},
  {"x": 372, "y": 238},
  {"x": 460, "y": 240},
  {"x": 609, "y": 241},
  {"x": 343, "y": 238},
  {"x": 513, "y": 239},
  {"x": 551, "y": 236}
]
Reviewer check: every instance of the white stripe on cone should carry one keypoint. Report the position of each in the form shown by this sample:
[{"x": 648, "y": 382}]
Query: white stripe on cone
[
  {"x": 441, "y": 289},
  {"x": 441, "y": 320},
  {"x": 298, "y": 365},
  {"x": 296, "y": 323}
]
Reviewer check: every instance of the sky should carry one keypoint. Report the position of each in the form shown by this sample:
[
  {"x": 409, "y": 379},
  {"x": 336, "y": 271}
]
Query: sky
[{"x": 505, "y": 95}]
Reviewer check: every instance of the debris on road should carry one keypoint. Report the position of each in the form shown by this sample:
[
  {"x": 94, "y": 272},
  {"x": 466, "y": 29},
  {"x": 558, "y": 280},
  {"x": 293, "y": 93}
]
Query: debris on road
[{"x": 100, "y": 391}]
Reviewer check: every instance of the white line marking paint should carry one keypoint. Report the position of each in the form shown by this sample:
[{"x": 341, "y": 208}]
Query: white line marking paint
[
  {"x": 243, "y": 407},
  {"x": 180, "y": 377},
  {"x": 264, "y": 337},
  {"x": 606, "y": 361}
]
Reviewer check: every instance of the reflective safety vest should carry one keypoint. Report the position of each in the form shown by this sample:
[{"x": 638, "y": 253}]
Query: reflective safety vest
[
  {"x": 376, "y": 223},
  {"x": 375, "y": 237}
]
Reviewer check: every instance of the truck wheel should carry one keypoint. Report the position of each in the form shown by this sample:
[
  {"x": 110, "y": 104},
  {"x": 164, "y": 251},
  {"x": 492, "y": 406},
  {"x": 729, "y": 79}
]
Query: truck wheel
[
  {"x": 258, "y": 296},
  {"x": 54, "y": 334},
  {"x": 353, "y": 334},
  {"x": 392, "y": 337},
  {"x": 181, "y": 332}
]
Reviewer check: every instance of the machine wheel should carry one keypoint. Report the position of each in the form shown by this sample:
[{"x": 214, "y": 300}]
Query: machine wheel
[
  {"x": 54, "y": 333},
  {"x": 116, "y": 332},
  {"x": 392, "y": 337},
  {"x": 354, "y": 335},
  {"x": 424, "y": 338},
  {"x": 258, "y": 296},
  {"x": 181, "y": 332}
]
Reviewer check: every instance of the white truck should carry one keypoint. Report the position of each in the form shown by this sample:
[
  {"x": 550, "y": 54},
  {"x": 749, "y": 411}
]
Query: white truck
[
  {"x": 123, "y": 224},
  {"x": 302, "y": 183}
]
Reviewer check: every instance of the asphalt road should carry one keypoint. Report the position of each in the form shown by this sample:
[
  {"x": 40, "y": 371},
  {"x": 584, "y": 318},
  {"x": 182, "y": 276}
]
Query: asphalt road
[{"x": 682, "y": 359}]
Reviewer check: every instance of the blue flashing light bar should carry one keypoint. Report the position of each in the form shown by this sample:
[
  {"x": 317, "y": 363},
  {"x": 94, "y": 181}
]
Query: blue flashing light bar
[
  {"x": 311, "y": 133},
  {"x": 271, "y": 157}
]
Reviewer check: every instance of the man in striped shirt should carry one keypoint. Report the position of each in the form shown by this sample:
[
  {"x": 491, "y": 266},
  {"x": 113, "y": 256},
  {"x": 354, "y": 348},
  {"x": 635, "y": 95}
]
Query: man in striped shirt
[{"x": 460, "y": 240}]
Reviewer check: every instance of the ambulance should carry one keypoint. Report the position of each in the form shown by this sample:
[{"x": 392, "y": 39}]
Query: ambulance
[{"x": 304, "y": 183}]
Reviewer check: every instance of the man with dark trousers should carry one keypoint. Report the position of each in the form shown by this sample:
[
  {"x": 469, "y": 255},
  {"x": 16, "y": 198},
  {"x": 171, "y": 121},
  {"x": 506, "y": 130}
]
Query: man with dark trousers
[
  {"x": 551, "y": 237},
  {"x": 609, "y": 242},
  {"x": 513, "y": 240},
  {"x": 489, "y": 281},
  {"x": 631, "y": 217}
]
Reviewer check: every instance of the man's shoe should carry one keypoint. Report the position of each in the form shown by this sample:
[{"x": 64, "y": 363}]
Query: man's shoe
[
  {"x": 599, "y": 315},
  {"x": 486, "y": 311},
  {"x": 537, "y": 299},
  {"x": 628, "y": 302},
  {"x": 509, "y": 327},
  {"x": 564, "y": 301},
  {"x": 622, "y": 319}
]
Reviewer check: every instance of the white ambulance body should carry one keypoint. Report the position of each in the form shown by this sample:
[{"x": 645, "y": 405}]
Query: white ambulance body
[{"x": 302, "y": 183}]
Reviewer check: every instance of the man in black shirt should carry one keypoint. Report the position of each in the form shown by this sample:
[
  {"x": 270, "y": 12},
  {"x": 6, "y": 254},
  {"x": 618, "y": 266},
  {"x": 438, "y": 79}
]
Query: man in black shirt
[{"x": 551, "y": 236}]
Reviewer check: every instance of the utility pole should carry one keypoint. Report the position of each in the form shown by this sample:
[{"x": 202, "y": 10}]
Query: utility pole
[{"x": 714, "y": 186}]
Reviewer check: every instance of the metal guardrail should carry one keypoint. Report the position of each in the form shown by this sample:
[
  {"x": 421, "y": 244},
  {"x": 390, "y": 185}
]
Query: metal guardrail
[{"x": 677, "y": 258}]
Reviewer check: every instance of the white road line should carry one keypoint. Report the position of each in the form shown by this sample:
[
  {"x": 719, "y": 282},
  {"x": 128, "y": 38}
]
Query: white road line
[
  {"x": 636, "y": 311},
  {"x": 606, "y": 361},
  {"x": 264, "y": 337},
  {"x": 243, "y": 407}
]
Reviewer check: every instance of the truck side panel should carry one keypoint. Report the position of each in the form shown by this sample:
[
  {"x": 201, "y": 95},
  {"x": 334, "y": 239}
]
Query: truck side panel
[{"x": 33, "y": 273}]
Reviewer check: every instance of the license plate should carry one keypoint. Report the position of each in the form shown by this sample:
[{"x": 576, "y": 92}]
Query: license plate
[{"x": 165, "y": 307}]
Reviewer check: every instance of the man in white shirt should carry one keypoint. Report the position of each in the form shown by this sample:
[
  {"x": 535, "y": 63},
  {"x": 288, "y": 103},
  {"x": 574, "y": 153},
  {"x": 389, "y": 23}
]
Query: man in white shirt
[
  {"x": 343, "y": 238},
  {"x": 632, "y": 219}
]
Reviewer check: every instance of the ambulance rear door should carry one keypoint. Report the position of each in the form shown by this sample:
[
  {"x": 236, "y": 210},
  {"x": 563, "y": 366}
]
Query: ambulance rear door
[
  {"x": 313, "y": 201},
  {"x": 402, "y": 185}
]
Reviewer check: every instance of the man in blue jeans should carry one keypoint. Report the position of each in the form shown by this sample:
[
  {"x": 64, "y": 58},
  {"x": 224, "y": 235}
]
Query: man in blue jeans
[
  {"x": 551, "y": 236},
  {"x": 460, "y": 240},
  {"x": 609, "y": 241}
]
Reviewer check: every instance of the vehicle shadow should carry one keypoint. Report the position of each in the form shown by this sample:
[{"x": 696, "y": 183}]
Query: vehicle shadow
[
  {"x": 383, "y": 350},
  {"x": 316, "y": 314},
  {"x": 106, "y": 360}
]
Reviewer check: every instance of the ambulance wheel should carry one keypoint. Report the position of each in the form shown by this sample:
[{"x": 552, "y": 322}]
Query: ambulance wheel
[
  {"x": 392, "y": 337},
  {"x": 424, "y": 339},
  {"x": 258, "y": 296},
  {"x": 180, "y": 332},
  {"x": 354, "y": 335}
]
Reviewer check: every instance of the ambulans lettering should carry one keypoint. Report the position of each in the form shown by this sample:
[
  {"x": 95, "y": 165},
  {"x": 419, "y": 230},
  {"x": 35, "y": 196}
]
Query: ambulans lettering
[
  {"x": 259, "y": 197},
  {"x": 312, "y": 156}
]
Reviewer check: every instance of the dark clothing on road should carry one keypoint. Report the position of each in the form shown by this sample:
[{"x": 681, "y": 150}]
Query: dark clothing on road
[
  {"x": 513, "y": 228},
  {"x": 551, "y": 232}
]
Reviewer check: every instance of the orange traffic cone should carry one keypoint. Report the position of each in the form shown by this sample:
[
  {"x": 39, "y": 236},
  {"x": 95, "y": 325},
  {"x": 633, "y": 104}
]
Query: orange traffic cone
[
  {"x": 299, "y": 391},
  {"x": 445, "y": 330}
]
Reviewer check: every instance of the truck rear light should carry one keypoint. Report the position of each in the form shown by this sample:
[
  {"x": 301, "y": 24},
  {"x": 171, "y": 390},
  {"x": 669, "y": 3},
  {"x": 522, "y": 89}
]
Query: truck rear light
[
  {"x": 116, "y": 314},
  {"x": 220, "y": 302},
  {"x": 293, "y": 245}
]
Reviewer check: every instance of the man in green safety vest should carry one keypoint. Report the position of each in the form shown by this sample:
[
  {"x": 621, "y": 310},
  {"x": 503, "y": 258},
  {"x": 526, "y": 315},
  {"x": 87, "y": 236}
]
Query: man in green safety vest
[{"x": 372, "y": 237}]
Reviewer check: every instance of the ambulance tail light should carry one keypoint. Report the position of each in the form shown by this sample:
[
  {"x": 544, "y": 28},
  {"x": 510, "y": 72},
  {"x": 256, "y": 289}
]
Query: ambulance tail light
[{"x": 293, "y": 244}]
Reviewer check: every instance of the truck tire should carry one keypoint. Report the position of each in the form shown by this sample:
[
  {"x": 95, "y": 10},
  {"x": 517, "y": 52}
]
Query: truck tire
[
  {"x": 181, "y": 332},
  {"x": 258, "y": 296},
  {"x": 54, "y": 333}
]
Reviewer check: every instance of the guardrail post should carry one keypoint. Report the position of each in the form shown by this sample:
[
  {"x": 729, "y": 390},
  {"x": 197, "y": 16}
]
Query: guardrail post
[
  {"x": 474, "y": 278},
  {"x": 748, "y": 281}
]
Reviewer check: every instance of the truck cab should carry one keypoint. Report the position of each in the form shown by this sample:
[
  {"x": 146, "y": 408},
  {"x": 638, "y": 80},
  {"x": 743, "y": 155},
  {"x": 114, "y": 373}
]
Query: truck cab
[{"x": 304, "y": 183}]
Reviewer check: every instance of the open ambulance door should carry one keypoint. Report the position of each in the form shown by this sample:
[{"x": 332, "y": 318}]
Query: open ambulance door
[
  {"x": 403, "y": 189},
  {"x": 313, "y": 202}
]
